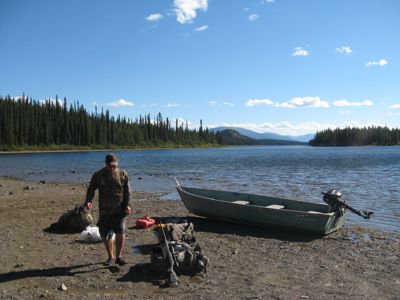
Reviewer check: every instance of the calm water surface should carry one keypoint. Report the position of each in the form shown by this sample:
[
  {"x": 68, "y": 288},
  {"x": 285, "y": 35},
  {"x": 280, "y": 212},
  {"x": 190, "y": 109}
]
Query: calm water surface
[{"x": 367, "y": 176}]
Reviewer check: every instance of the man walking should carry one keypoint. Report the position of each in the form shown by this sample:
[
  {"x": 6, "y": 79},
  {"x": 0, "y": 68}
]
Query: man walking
[{"x": 114, "y": 205}]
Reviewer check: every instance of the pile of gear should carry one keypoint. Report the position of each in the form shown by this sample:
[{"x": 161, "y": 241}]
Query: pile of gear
[
  {"x": 177, "y": 251},
  {"x": 73, "y": 221}
]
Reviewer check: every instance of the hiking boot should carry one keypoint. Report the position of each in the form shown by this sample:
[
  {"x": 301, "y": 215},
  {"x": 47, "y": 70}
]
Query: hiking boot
[
  {"x": 120, "y": 261},
  {"x": 108, "y": 262}
]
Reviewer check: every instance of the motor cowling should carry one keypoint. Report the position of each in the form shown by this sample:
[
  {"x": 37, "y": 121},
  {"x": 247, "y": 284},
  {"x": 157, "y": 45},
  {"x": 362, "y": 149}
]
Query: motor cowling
[{"x": 333, "y": 197}]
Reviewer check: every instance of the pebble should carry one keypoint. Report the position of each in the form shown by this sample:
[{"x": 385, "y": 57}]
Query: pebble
[
  {"x": 42, "y": 181},
  {"x": 10, "y": 193},
  {"x": 26, "y": 188},
  {"x": 304, "y": 297},
  {"x": 63, "y": 287}
]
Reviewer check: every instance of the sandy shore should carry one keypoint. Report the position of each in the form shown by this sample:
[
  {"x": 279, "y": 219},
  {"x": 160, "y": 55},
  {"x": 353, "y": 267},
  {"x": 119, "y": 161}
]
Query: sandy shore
[{"x": 245, "y": 262}]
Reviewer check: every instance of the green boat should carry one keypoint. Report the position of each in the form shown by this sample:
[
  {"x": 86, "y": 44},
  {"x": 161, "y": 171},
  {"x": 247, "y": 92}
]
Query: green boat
[{"x": 264, "y": 211}]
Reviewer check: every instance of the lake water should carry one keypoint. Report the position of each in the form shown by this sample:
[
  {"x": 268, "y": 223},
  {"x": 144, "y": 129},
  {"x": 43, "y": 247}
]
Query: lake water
[{"x": 368, "y": 177}]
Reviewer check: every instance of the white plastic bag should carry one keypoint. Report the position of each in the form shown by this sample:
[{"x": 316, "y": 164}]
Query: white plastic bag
[{"x": 91, "y": 234}]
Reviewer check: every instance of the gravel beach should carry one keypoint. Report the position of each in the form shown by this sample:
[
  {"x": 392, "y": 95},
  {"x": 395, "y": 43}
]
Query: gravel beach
[{"x": 245, "y": 262}]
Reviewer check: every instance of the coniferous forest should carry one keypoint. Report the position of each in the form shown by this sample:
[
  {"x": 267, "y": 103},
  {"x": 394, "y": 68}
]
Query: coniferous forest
[
  {"x": 26, "y": 124},
  {"x": 380, "y": 136},
  {"x": 35, "y": 125}
]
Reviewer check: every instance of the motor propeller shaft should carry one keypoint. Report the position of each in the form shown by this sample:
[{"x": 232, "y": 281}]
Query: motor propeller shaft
[{"x": 334, "y": 199}]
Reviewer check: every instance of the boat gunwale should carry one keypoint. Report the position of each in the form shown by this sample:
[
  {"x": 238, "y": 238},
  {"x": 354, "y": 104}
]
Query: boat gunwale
[{"x": 321, "y": 214}]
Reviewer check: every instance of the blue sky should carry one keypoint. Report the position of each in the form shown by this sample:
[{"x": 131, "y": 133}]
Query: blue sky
[{"x": 289, "y": 67}]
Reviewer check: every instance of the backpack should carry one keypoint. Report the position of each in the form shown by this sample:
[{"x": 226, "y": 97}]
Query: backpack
[
  {"x": 73, "y": 221},
  {"x": 187, "y": 254}
]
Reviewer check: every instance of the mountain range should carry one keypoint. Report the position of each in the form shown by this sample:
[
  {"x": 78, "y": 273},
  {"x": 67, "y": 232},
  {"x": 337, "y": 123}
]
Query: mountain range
[{"x": 267, "y": 135}]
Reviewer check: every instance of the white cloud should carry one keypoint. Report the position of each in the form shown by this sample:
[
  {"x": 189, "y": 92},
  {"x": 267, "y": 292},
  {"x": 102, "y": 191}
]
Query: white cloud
[
  {"x": 304, "y": 102},
  {"x": 52, "y": 100},
  {"x": 382, "y": 62},
  {"x": 253, "y": 17},
  {"x": 212, "y": 103},
  {"x": 344, "y": 112},
  {"x": 246, "y": 9},
  {"x": 120, "y": 103},
  {"x": 344, "y": 50},
  {"x": 267, "y": 1},
  {"x": 292, "y": 103},
  {"x": 201, "y": 28},
  {"x": 183, "y": 121},
  {"x": 185, "y": 10},
  {"x": 154, "y": 17},
  {"x": 16, "y": 98},
  {"x": 300, "y": 51},
  {"x": 228, "y": 104},
  {"x": 171, "y": 105},
  {"x": 395, "y": 106},
  {"x": 347, "y": 103},
  {"x": 259, "y": 102}
]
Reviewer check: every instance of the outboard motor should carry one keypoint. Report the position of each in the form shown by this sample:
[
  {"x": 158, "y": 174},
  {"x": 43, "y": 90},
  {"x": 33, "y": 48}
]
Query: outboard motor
[{"x": 334, "y": 199}]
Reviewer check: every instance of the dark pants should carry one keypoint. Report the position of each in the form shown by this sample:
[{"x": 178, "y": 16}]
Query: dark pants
[{"x": 111, "y": 223}]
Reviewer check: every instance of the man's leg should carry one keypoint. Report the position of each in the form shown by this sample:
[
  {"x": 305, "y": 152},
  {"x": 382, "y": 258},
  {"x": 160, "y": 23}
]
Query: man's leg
[
  {"x": 109, "y": 247},
  {"x": 119, "y": 241},
  {"x": 104, "y": 228}
]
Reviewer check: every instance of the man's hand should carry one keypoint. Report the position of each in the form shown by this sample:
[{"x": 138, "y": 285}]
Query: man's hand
[
  {"x": 129, "y": 210},
  {"x": 88, "y": 205}
]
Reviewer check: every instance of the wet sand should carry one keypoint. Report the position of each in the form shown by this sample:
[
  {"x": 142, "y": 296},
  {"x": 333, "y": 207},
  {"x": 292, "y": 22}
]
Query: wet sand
[{"x": 245, "y": 262}]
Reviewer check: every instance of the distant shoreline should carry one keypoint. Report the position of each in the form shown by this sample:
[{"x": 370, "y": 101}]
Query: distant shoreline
[
  {"x": 165, "y": 148},
  {"x": 27, "y": 151}
]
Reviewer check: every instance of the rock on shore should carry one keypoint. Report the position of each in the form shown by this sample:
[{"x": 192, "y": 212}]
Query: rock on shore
[{"x": 245, "y": 262}]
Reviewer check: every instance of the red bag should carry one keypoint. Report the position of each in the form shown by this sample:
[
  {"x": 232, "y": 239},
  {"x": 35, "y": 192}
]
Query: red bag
[{"x": 145, "y": 222}]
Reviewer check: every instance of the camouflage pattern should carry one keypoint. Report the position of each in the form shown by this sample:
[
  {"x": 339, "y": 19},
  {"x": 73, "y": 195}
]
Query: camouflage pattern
[
  {"x": 114, "y": 191},
  {"x": 73, "y": 221}
]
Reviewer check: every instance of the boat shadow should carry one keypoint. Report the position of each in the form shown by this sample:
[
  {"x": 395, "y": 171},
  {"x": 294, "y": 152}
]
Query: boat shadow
[{"x": 224, "y": 227}]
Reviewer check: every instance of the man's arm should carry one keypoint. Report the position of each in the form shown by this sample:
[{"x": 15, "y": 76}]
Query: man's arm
[
  {"x": 126, "y": 201},
  {"x": 91, "y": 191}
]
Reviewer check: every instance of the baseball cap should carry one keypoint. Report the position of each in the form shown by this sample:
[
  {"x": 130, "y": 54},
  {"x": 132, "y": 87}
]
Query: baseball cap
[{"x": 111, "y": 159}]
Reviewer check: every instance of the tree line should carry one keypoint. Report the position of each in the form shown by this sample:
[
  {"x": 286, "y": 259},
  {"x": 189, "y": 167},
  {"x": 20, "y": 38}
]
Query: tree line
[
  {"x": 374, "y": 135},
  {"x": 26, "y": 122}
]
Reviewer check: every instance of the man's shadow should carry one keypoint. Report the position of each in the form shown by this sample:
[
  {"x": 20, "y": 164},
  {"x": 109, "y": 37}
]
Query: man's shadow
[{"x": 51, "y": 272}]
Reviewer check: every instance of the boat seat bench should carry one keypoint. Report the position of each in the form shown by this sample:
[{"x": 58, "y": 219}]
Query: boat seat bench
[
  {"x": 275, "y": 206},
  {"x": 242, "y": 202}
]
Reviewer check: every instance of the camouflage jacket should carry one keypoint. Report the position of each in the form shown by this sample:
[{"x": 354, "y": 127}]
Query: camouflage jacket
[{"x": 114, "y": 191}]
